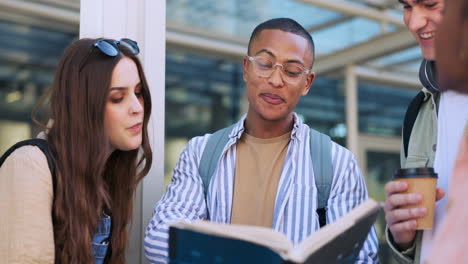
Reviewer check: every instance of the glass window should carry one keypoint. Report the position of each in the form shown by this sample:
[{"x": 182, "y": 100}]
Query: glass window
[
  {"x": 323, "y": 108},
  {"x": 382, "y": 108},
  {"x": 28, "y": 55},
  {"x": 237, "y": 18},
  {"x": 203, "y": 94},
  {"x": 406, "y": 61},
  {"x": 345, "y": 34}
]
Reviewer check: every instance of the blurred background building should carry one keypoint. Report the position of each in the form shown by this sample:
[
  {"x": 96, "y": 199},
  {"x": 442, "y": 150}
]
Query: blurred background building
[{"x": 366, "y": 66}]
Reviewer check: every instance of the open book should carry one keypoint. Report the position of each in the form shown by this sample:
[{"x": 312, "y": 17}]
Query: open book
[{"x": 208, "y": 242}]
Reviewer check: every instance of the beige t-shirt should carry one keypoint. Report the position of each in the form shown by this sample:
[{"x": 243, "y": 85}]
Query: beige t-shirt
[
  {"x": 26, "y": 232},
  {"x": 259, "y": 163}
]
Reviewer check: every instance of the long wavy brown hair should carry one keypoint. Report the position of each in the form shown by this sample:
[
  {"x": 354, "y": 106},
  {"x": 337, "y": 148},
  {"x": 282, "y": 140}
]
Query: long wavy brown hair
[{"x": 88, "y": 181}]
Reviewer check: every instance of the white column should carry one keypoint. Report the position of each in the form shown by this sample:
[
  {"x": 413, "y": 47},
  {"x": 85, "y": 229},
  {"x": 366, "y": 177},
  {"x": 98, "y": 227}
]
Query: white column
[
  {"x": 351, "y": 95},
  {"x": 145, "y": 22},
  {"x": 155, "y": 66}
]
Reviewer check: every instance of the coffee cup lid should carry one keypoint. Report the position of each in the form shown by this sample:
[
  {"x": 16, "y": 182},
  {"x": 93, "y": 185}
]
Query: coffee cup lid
[{"x": 415, "y": 173}]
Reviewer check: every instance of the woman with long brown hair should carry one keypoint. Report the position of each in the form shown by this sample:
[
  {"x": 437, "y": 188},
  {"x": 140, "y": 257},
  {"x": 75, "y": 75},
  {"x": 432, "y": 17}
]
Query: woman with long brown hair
[{"x": 72, "y": 201}]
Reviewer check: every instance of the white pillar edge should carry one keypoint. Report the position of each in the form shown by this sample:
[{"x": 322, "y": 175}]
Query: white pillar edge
[
  {"x": 154, "y": 63},
  {"x": 351, "y": 93}
]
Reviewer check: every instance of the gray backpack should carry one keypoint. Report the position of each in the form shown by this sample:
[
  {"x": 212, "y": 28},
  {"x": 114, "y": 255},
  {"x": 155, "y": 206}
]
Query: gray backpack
[{"x": 320, "y": 149}]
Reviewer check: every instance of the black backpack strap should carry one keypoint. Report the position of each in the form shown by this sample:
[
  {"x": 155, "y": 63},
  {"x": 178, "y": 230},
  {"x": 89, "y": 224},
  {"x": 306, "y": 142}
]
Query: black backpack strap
[
  {"x": 410, "y": 118},
  {"x": 42, "y": 145}
]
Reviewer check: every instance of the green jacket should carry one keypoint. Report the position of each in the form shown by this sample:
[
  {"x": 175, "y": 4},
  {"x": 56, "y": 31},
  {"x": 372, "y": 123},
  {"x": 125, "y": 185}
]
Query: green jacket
[{"x": 421, "y": 153}]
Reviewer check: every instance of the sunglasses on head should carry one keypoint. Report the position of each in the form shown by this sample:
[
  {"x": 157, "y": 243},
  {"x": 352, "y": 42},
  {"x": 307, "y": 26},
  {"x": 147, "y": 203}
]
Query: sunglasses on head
[{"x": 111, "y": 47}]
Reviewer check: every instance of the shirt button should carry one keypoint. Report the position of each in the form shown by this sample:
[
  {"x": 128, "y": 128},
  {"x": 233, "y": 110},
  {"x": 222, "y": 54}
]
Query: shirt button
[{"x": 434, "y": 147}]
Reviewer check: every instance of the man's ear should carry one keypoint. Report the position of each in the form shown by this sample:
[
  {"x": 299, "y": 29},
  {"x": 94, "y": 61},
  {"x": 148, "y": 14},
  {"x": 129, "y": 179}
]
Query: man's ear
[
  {"x": 245, "y": 65},
  {"x": 308, "y": 84}
]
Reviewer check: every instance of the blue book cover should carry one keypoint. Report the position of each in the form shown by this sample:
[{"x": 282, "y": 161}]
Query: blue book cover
[{"x": 207, "y": 242}]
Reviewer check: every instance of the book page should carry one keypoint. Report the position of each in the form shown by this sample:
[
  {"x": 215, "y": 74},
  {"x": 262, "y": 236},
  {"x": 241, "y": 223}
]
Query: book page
[
  {"x": 259, "y": 235},
  {"x": 330, "y": 231}
]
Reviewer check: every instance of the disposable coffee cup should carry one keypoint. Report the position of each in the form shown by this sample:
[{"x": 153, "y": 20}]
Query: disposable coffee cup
[{"x": 424, "y": 182}]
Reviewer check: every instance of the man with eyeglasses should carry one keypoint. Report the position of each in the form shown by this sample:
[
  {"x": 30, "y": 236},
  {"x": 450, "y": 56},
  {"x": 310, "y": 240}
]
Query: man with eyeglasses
[{"x": 264, "y": 175}]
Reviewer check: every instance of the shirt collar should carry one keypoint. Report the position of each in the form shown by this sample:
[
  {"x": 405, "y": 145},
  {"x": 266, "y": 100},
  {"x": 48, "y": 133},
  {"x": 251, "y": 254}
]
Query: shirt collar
[{"x": 239, "y": 128}]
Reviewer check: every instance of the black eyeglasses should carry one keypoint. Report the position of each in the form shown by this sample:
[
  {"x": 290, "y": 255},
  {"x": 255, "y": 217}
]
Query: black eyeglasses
[{"x": 111, "y": 47}]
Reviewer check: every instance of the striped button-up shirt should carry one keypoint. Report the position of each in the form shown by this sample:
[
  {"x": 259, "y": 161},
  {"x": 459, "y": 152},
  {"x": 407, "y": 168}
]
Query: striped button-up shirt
[{"x": 296, "y": 200}]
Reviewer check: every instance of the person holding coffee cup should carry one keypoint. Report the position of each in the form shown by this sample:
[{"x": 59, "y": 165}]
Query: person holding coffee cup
[
  {"x": 422, "y": 181},
  {"x": 435, "y": 121},
  {"x": 419, "y": 137}
]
